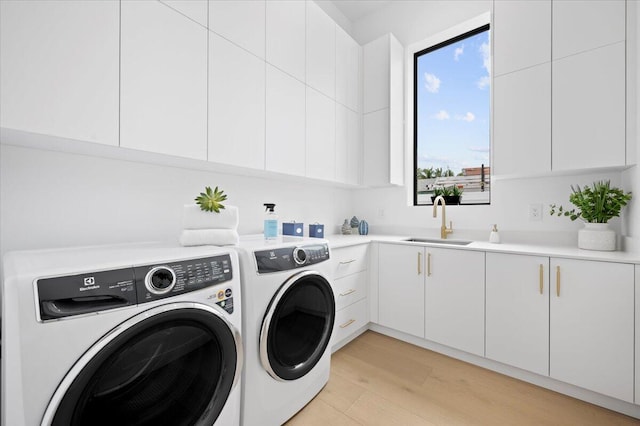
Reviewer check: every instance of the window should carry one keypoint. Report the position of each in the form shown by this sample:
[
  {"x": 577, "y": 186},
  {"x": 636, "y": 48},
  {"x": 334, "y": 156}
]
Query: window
[{"x": 451, "y": 119}]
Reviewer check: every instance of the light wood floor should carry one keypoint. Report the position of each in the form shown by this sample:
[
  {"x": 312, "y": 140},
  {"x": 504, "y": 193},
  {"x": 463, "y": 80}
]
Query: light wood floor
[{"x": 378, "y": 380}]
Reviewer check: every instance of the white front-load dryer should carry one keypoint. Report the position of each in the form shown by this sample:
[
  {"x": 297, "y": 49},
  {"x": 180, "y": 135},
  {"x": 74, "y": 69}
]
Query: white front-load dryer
[
  {"x": 289, "y": 312},
  {"x": 121, "y": 335}
]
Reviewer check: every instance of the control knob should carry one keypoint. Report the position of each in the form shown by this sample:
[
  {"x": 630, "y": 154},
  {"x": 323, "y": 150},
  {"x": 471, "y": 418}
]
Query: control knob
[
  {"x": 160, "y": 280},
  {"x": 299, "y": 256}
]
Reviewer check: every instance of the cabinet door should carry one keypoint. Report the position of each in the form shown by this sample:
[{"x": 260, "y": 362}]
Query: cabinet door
[
  {"x": 517, "y": 311},
  {"x": 236, "y": 105},
  {"x": 521, "y": 34},
  {"x": 59, "y": 68},
  {"x": 348, "y": 56},
  {"x": 163, "y": 81},
  {"x": 320, "y": 136},
  {"x": 240, "y": 21},
  {"x": 285, "y": 127},
  {"x": 522, "y": 121},
  {"x": 321, "y": 50},
  {"x": 376, "y": 56},
  {"x": 589, "y": 109},
  {"x": 591, "y": 326},
  {"x": 194, "y": 9},
  {"x": 454, "y": 299},
  {"x": 637, "y": 369},
  {"x": 347, "y": 145},
  {"x": 401, "y": 288},
  {"x": 375, "y": 148},
  {"x": 583, "y": 25},
  {"x": 286, "y": 36}
]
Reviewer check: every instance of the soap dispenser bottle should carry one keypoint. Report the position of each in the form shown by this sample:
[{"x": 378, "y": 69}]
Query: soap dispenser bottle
[
  {"x": 494, "y": 237},
  {"x": 270, "y": 222}
]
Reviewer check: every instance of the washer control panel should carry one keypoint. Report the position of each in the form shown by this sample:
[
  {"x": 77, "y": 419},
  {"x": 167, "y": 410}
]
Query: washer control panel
[
  {"x": 91, "y": 292},
  {"x": 286, "y": 258}
]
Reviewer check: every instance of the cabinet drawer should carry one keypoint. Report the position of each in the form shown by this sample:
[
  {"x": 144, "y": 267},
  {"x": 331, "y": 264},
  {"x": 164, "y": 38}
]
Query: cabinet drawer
[
  {"x": 349, "y": 320},
  {"x": 350, "y": 289},
  {"x": 349, "y": 260}
]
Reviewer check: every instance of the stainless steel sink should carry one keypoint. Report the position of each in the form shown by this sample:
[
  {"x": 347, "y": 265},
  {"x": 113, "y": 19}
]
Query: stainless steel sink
[{"x": 439, "y": 241}]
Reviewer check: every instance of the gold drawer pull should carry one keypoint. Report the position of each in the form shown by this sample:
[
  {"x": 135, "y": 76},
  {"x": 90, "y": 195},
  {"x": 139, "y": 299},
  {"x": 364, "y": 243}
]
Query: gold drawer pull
[
  {"x": 348, "y": 292},
  {"x": 419, "y": 262},
  {"x": 541, "y": 279},
  {"x": 557, "y": 281},
  {"x": 428, "y": 264},
  {"x": 348, "y": 323},
  {"x": 348, "y": 262}
]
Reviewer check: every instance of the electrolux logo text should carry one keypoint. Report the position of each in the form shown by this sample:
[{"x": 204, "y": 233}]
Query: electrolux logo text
[{"x": 89, "y": 284}]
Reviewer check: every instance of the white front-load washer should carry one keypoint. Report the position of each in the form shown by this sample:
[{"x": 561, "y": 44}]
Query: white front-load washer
[
  {"x": 121, "y": 335},
  {"x": 288, "y": 315}
]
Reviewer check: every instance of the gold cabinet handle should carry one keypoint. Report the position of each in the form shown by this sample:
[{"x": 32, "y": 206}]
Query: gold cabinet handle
[
  {"x": 348, "y": 323},
  {"x": 557, "y": 281},
  {"x": 347, "y": 262},
  {"x": 428, "y": 264},
  {"x": 348, "y": 292},
  {"x": 541, "y": 278},
  {"x": 419, "y": 262}
]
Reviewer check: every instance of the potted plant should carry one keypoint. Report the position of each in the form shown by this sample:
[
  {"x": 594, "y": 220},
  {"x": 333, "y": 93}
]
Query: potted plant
[
  {"x": 595, "y": 205},
  {"x": 451, "y": 194}
]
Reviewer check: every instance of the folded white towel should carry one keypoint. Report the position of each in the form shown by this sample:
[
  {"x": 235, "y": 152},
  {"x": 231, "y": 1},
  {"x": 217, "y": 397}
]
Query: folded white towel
[
  {"x": 209, "y": 237},
  {"x": 196, "y": 218}
]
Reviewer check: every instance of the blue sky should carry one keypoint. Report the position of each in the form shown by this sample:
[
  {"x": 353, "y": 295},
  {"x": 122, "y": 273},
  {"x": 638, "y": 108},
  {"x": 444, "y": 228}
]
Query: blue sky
[{"x": 453, "y": 112}]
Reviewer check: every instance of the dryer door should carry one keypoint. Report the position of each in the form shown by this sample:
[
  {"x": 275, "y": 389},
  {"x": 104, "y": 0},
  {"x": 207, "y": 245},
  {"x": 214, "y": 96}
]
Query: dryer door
[
  {"x": 174, "y": 364},
  {"x": 297, "y": 326}
]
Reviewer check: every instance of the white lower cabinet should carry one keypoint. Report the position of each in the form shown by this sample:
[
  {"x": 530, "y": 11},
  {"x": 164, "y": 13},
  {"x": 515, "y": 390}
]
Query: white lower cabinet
[
  {"x": 349, "y": 283},
  {"x": 401, "y": 288},
  {"x": 454, "y": 299},
  {"x": 637, "y": 369},
  {"x": 517, "y": 306},
  {"x": 592, "y": 326}
]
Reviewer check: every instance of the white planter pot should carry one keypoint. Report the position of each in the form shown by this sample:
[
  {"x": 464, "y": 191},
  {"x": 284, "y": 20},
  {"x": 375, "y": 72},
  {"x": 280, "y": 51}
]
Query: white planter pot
[{"x": 597, "y": 236}]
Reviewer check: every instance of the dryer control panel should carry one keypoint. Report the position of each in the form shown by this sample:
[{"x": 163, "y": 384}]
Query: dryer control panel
[
  {"x": 91, "y": 292},
  {"x": 286, "y": 258}
]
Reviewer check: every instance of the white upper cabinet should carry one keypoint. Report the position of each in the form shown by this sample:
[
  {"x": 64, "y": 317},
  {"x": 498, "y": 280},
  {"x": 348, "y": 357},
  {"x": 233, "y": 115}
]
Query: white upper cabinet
[
  {"x": 163, "y": 81},
  {"x": 347, "y": 145},
  {"x": 383, "y": 120},
  {"x": 592, "y": 326},
  {"x": 241, "y": 22},
  {"x": 348, "y": 70},
  {"x": 522, "y": 121},
  {"x": 517, "y": 311},
  {"x": 194, "y": 9},
  {"x": 59, "y": 68},
  {"x": 521, "y": 34},
  {"x": 589, "y": 109},
  {"x": 320, "y": 50},
  {"x": 286, "y": 36},
  {"x": 581, "y": 25},
  {"x": 236, "y": 105},
  {"x": 285, "y": 133},
  {"x": 320, "y": 136}
]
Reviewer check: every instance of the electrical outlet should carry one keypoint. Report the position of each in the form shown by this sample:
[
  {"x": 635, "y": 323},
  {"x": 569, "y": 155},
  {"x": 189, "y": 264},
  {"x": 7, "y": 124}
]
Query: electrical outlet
[
  {"x": 380, "y": 212},
  {"x": 535, "y": 212}
]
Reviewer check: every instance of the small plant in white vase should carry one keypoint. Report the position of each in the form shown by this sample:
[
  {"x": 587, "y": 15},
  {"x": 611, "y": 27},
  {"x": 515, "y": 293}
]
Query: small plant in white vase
[{"x": 595, "y": 205}]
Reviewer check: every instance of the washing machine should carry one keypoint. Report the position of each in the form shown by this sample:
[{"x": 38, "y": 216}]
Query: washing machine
[
  {"x": 288, "y": 315},
  {"x": 141, "y": 334}
]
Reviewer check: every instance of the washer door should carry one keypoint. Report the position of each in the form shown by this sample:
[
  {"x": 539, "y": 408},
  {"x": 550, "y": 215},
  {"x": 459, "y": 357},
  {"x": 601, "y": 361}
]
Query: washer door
[
  {"x": 297, "y": 326},
  {"x": 174, "y": 364}
]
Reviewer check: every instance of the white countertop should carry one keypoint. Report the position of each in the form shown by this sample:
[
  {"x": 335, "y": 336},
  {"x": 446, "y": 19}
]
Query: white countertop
[{"x": 338, "y": 241}]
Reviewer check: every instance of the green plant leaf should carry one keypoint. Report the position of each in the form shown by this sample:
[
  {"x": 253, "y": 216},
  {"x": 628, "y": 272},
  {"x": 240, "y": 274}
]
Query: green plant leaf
[{"x": 211, "y": 200}]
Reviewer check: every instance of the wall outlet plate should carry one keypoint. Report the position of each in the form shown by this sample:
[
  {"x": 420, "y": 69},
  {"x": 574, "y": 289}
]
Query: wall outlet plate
[{"x": 535, "y": 212}]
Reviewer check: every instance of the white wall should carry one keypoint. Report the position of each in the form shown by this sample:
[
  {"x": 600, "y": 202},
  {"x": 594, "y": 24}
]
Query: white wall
[{"x": 56, "y": 199}]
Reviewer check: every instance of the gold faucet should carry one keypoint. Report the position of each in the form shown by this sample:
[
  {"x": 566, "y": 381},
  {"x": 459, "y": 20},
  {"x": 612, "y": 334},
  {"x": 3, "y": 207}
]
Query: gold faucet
[{"x": 443, "y": 229}]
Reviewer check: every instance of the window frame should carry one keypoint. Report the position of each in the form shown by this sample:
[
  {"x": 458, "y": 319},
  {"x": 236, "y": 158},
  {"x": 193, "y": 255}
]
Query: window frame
[{"x": 452, "y": 35}]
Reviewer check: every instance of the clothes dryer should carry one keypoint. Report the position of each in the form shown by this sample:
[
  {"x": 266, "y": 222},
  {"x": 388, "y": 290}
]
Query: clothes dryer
[
  {"x": 114, "y": 335},
  {"x": 288, "y": 315}
]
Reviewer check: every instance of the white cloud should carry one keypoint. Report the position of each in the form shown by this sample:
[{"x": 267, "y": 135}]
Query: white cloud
[
  {"x": 478, "y": 149},
  {"x": 469, "y": 117},
  {"x": 484, "y": 82},
  {"x": 485, "y": 50},
  {"x": 458, "y": 52},
  {"x": 431, "y": 83},
  {"x": 441, "y": 115}
]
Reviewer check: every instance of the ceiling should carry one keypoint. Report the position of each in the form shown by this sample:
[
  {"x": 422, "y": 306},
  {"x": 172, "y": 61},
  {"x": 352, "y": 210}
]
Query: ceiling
[{"x": 356, "y": 9}]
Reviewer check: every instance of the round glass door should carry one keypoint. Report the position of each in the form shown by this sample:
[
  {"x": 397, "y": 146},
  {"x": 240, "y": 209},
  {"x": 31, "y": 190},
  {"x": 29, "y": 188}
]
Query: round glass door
[
  {"x": 297, "y": 326},
  {"x": 174, "y": 364}
]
